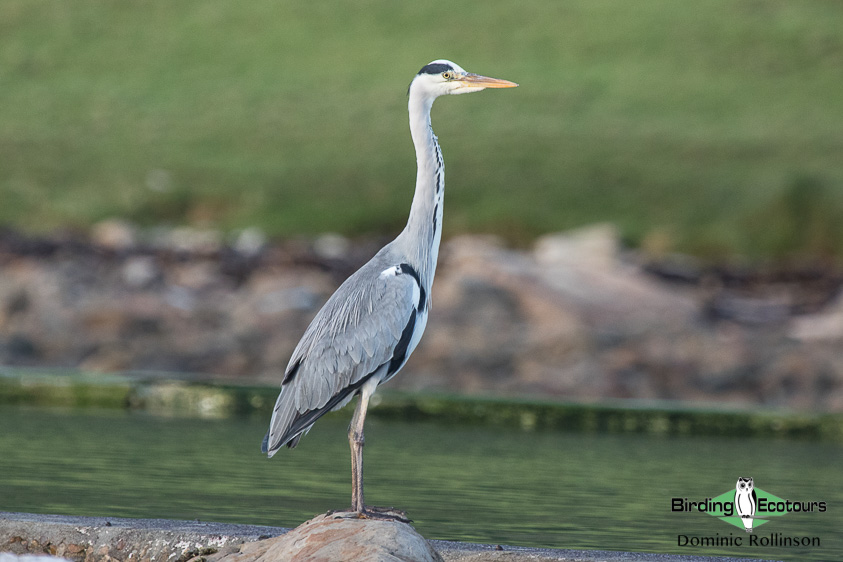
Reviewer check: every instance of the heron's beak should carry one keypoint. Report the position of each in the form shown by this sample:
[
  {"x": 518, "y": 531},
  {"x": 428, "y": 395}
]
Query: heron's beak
[{"x": 476, "y": 81}]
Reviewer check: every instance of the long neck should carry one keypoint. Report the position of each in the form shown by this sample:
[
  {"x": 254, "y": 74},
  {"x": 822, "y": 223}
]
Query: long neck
[{"x": 420, "y": 238}]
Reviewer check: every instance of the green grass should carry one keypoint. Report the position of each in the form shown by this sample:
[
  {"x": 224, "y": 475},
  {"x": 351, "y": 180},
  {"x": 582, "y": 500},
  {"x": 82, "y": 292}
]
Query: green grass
[{"x": 714, "y": 127}]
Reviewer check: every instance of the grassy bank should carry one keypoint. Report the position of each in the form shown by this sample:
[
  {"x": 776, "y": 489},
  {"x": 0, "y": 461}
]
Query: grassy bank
[
  {"x": 711, "y": 127},
  {"x": 181, "y": 397}
]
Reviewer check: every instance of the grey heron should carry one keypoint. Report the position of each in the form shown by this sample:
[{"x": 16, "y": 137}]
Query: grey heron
[{"x": 368, "y": 328}]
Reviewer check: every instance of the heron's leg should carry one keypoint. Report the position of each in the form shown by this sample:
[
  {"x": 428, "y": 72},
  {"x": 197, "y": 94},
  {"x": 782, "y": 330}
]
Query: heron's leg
[{"x": 356, "y": 441}]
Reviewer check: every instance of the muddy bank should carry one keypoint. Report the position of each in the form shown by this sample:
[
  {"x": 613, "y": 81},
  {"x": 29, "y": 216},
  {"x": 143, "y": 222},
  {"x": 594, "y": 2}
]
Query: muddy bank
[{"x": 575, "y": 317}]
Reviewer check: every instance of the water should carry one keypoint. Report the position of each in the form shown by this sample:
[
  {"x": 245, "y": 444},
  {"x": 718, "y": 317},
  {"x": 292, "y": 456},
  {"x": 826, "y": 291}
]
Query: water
[{"x": 553, "y": 489}]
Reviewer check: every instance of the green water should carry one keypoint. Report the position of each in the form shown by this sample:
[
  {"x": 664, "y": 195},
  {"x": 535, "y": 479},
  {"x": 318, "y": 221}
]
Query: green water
[{"x": 553, "y": 489}]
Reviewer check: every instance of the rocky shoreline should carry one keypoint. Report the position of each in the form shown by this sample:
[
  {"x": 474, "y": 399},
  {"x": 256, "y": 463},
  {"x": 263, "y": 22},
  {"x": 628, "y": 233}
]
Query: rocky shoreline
[
  {"x": 100, "y": 539},
  {"x": 576, "y": 317}
]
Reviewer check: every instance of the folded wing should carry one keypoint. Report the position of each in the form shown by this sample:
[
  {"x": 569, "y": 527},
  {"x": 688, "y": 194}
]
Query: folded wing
[{"x": 361, "y": 332}]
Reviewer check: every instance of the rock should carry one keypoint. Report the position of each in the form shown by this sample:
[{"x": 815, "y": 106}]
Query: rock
[
  {"x": 114, "y": 234},
  {"x": 297, "y": 298},
  {"x": 19, "y": 349},
  {"x": 9, "y": 557},
  {"x": 250, "y": 241},
  {"x": 339, "y": 536},
  {"x": 28, "y": 537},
  {"x": 821, "y": 326},
  {"x": 97, "y": 539},
  {"x": 584, "y": 268},
  {"x": 195, "y": 275},
  {"x": 591, "y": 246},
  {"x": 140, "y": 271},
  {"x": 331, "y": 246},
  {"x": 576, "y": 317},
  {"x": 193, "y": 240}
]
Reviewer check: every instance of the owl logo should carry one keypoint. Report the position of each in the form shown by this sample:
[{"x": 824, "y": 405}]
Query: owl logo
[{"x": 745, "y": 501}]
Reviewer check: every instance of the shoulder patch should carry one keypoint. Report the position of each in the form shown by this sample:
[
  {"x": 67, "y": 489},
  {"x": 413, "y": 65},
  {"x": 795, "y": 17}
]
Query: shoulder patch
[{"x": 411, "y": 271}]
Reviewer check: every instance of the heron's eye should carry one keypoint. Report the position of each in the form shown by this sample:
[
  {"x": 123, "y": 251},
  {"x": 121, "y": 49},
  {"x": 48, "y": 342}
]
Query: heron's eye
[{"x": 448, "y": 75}]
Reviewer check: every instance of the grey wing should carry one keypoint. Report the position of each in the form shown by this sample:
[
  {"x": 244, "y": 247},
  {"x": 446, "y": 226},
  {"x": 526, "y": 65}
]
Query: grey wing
[{"x": 355, "y": 336}]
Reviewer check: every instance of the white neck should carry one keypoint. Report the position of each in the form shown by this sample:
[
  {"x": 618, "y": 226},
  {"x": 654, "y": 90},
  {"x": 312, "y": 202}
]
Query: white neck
[{"x": 420, "y": 239}]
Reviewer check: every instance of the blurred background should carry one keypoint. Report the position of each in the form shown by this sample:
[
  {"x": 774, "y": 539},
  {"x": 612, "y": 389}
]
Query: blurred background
[
  {"x": 169, "y": 172},
  {"x": 712, "y": 129},
  {"x": 653, "y": 218}
]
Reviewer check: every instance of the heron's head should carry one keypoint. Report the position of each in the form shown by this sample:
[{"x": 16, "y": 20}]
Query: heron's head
[{"x": 442, "y": 77}]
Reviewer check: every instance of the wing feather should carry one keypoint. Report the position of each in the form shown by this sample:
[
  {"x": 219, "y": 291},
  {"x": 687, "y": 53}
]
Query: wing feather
[{"x": 351, "y": 337}]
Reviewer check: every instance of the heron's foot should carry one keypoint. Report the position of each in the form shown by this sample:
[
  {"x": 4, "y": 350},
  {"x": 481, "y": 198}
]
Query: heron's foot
[
  {"x": 371, "y": 512},
  {"x": 383, "y": 514}
]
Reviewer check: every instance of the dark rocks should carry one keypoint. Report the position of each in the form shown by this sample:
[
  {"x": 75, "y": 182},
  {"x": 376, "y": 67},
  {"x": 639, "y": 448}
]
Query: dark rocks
[{"x": 575, "y": 318}]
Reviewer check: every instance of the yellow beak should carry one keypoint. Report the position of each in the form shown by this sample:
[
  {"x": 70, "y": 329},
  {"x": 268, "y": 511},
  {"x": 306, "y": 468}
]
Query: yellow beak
[{"x": 477, "y": 81}]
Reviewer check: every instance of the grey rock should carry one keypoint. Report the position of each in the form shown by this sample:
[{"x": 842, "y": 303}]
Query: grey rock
[
  {"x": 595, "y": 246},
  {"x": 331, "y": 246},
  {"x": 194, "y": 240},
  {"x": 139, "y": 271},
  {"x": 328, "y": 538},
  {"x": 99, "y": 539},
  {"x": 575, "y": 318},
  {"x": 8, "y": 557},
  {"x": 826, "y": 325},
  {"x": 250, "y": 241},
  {"x": 114, "y": 234}
]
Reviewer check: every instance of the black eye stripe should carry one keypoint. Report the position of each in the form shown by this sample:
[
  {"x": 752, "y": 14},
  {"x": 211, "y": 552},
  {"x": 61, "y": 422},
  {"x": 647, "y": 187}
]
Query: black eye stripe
[{"x": 435, "y": 68}]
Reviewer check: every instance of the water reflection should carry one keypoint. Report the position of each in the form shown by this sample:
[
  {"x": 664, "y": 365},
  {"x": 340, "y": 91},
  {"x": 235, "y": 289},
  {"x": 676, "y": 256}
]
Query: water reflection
[{"x": 553, "y": 489}]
